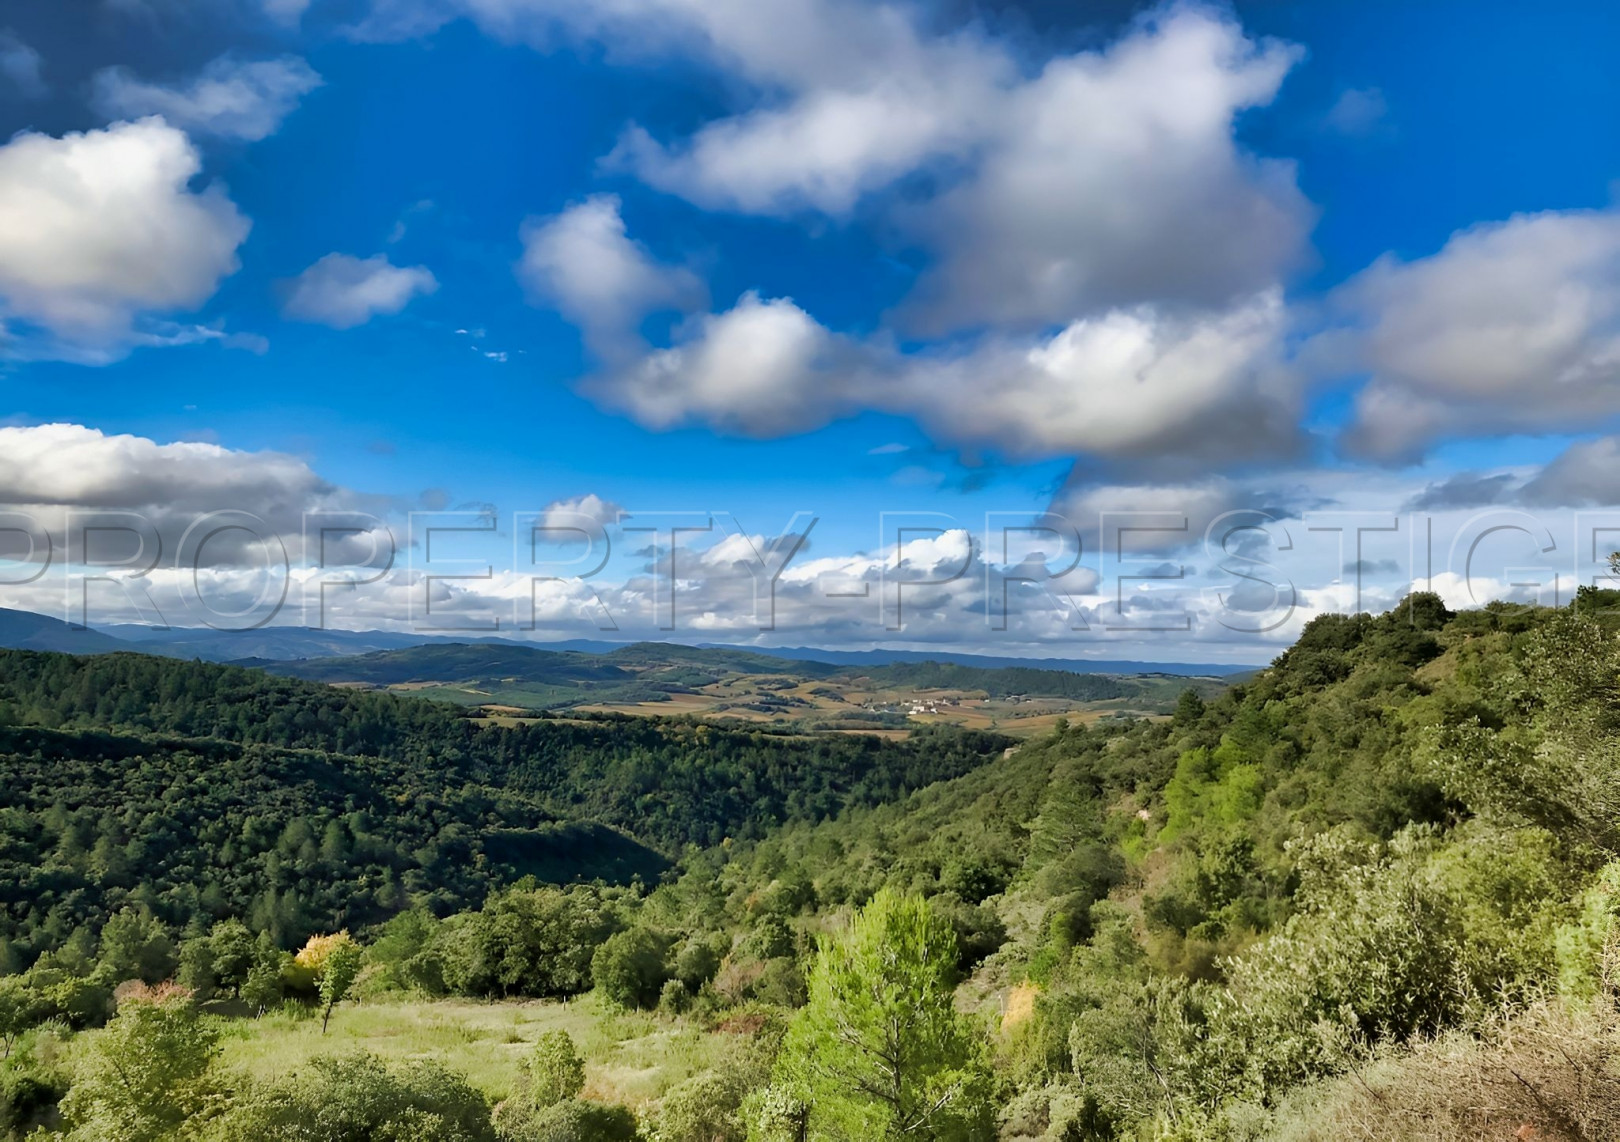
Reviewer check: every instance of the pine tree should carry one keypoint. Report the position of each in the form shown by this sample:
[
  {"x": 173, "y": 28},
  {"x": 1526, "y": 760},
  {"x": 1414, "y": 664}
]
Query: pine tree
[{"x": 880, "y": 1051}]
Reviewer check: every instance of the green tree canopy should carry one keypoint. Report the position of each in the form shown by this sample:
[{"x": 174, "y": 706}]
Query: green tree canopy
[
  {"x": 146, "y": 1076},
  {"x": 880, "y": 1051},
  {"x": 359, "y": 1098},
  {"x": 629, "y": 968}
]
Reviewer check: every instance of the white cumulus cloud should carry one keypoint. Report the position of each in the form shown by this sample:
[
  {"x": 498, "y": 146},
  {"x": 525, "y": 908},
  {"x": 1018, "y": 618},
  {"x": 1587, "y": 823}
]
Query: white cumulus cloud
[
  {"x": 584, "y": 262},
  {"x": 1097, "y": 178},
  {"x": 344, "y": 291},
  {"x": 1112, "y": 178},
  {"x": 1511, "y": 326},
  {"x": 1186, "y": 392},
  {"x": 833, "y": 144},
  {"x": 762, "y": 368},
  {"x": 99, "y": 229},
  {"x": 560, "y": 513},
  {"x": 47, "y": 470}
]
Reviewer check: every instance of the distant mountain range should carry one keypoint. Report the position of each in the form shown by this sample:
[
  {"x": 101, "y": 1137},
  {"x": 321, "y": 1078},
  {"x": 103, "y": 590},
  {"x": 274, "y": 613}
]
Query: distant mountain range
[
  {"x": 661, "y": 677},
  {"x": 25, "y": 630},
  {"x": 993, "y": 662}
]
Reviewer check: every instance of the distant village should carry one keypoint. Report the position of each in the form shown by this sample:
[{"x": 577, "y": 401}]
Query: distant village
[{"x": 931, "y": 705}]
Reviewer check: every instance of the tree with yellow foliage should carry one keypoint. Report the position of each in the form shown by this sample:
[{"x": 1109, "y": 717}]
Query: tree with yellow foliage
[{"x": 334, "y": 963}]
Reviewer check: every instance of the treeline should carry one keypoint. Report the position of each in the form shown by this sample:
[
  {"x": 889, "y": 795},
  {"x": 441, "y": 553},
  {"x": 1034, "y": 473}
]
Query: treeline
[
  {"x": 290, "y": 841},
  {"x": 457, "y": 661},
  {"x": 667, "y": 782},
  {"x": 555, "y": 678},
  {"x": 137, "y": 692}
]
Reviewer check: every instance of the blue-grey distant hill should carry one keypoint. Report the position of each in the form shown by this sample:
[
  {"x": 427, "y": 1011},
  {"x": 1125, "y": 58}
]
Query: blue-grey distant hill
[
  {"x": 25, "y": 630},
  {"x": 995, "y": 662}
]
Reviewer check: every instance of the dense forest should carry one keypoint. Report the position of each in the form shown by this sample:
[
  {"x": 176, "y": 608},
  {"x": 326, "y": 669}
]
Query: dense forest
[
  {"x": 1372, "y": 892},
  {"x": 199, "y": 791}
]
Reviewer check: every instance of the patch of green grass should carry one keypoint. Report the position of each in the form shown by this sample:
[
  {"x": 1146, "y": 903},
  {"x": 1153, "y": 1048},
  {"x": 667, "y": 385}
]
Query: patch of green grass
[{"x": 630, "y": 1058}]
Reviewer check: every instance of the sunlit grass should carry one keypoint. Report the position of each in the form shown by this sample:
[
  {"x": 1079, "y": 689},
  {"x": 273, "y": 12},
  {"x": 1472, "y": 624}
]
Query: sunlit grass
[{"x": 630, "y": 1058}]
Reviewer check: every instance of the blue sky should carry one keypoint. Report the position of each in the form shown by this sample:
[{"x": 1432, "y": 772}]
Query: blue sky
[{"x": 673, "y": 254}]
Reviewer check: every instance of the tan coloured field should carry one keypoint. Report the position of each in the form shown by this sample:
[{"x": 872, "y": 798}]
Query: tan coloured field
[{"x": 843, "y": 704}]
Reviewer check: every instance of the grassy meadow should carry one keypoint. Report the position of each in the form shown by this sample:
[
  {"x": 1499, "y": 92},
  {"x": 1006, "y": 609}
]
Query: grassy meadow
[{"x": 630, "y": 1057}]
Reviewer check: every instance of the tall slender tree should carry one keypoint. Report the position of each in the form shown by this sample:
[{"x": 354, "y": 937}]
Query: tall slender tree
[
  {"x": 338, "y": 973},
  {"x": 880, "y": 1050}
]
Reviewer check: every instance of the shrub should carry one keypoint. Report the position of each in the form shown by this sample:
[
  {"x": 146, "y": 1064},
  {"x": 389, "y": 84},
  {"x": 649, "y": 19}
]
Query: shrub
[
  {"x": 699, "y": 958},
  {"x": 135, "y": 945},
  {"x": 359, "y": 1098},
  {"x": 674, "y": 999},
  {"x": 28, "y": 1098},
  {"x": 146, "y": 1075},
  {"x": 705, "y": 1108},
  {"x": 1547, "y": 1073},
  {"x": 573, "y": 1121},
  {"x": 556, "y": 1073},
  {"x": 629, "y": 969},
  {"x": 771, "y": 938}
]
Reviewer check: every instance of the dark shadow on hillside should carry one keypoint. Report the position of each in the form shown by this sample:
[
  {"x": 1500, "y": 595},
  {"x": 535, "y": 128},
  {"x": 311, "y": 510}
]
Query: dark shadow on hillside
[{"x": 574, "y": 852}]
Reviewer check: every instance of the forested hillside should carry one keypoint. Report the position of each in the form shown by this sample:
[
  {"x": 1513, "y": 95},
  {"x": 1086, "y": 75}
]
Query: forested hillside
[
  {"x": 1386, "y": 858},
  {"x": 1372, "y": 892},
  {"x": 199, "y": 791}
]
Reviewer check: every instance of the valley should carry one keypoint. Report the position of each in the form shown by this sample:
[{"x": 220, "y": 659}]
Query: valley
[
  {"x": 655, "y": 679},
  {"x": 1376, "y": 883}
]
